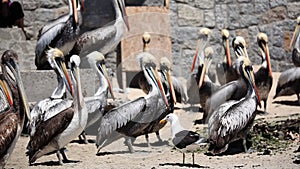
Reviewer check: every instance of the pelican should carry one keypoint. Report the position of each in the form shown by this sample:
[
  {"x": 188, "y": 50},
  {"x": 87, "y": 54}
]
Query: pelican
[
  {"x": 61, "y": 123},
  {"x": 170, "y": 92},
  {"x": 234, "y": 90},
  {"x": 295, "y": 44},
  {"x": 104, "y": 39},
  {"x": 13, "y": 116},
  {"x": 97, "y": 103},
  {"x": 225, "y": 71},
  {"x": 182, "y": 138},
  {"x": 288, "y": 83},
  {"x": 263, "y": 77},
  {"x": 139, "y": 81},
  {"x": 192, "y": 82},
  {"x": 129, "y": 119},
  {"x": 233, "y": 119},
  {"x": 61, "y": 34}
]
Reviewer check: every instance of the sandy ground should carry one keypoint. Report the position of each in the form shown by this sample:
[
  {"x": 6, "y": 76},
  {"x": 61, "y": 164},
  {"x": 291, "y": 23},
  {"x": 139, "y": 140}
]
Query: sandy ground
[{"x": 116, "y": 155}]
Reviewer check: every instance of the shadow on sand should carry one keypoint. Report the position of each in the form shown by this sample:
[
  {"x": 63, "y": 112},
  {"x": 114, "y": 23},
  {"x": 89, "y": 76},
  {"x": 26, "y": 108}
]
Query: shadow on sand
[
  {"x": 287, "y": 102},
  {"x": 184, "y": 165},
  {"x": 155, "y": 144},
  {"x": 53, "y": 163}
]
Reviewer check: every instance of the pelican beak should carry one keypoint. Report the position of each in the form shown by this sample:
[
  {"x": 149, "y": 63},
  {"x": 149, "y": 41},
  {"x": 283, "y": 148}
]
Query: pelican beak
[
  {"x": 66, "y": 77},
  {"x": 103, "y": 67},
  {"x": 124, "y": 14},
  {"x": 169, "y": 79},
  {"x": 163, "y": 121},
  {"x": 227, "y": 50},
  {"x": 75, "y": 12},
  {"x": 200, "y": 47},
  {"x": 6, "y": 92},
  {"x": 267, "y": 54},
  {"x": 252, "y": 81},
  {"x": 295, "y": 36},
  {"x": 159, "y": 85},
  {"x": 15, "y": 70}
]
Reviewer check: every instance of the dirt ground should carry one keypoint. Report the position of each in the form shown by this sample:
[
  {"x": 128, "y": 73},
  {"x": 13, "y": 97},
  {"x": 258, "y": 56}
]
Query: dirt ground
[{"x": 163, "y": 156}]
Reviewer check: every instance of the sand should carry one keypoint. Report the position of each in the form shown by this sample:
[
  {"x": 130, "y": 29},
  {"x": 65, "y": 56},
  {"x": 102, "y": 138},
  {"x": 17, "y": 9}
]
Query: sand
[{"x": 163, "y": 155}]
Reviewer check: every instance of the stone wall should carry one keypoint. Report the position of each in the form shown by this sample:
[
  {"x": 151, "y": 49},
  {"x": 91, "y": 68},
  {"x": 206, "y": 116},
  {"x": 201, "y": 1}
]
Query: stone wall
[{"x": 241, "y": 17}]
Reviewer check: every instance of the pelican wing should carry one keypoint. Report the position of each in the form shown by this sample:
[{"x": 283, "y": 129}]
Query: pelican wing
[
  {"x": 94, "y": 103},
  {"x": 46, "y": 109},
  {"x": 179, "y": 88},
  {"x": 221, "y": 96},
  {"x": 8, "y": 131},
  {"x": 232, "y": 116},
  {"x": 62, "y": 19},
  {"x": 46, "y": 38},
  {"x": 288, "y": 76},
  {"x": 119, "y": 117},
  {"x": 101, "y": 39},
  {"x": 4, "y": 105}
]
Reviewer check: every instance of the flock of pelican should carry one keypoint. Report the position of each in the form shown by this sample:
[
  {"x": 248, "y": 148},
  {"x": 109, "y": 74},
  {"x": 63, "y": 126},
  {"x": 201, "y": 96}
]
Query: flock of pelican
[{"x": 229, "y": 106}]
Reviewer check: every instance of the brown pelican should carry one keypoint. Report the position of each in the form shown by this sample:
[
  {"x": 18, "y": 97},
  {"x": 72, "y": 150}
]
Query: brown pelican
[
  {"x": 192, "y": 82},
  {"x": 182, "y": 138},
  {"x": 129, "y": 119},
  {"x": 263, "y": 77},
  {"x": 139, "y": 81},
  {"x": 61, "y": 123},
  {"x": 225, "y": 71},
  {"x": 104, "y": 39},
  {"x": 234, "y": 90},
  {"x": 61, "y": 34},
  {"x": 233, "y": 119},
  {"x": 170, "y": 92},
  {"x": 288, "y": 83},
  {"x": 295, "y": 44},
  {"x": 96, "y": 104},
  {"x": 13, "y": 116}
]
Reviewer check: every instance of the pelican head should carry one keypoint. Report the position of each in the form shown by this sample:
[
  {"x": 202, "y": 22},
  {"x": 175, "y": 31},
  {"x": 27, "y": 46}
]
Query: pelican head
[
  {"x": 56, "y": 59},
  {"x": 225, "y": 33},
  {"x": 295, "y": 34},
  {"x": 165, "y": 67},
  {"x": 97, "y": 59},
  {"x": 150, "y": 68},
  {"x": 208, "y": 52},
  {"x": 146, "y": 40},
  {"x": 239, "y": 46},
  {"x": 10, "y": 58},
  {"x": 262, "y": 40}
]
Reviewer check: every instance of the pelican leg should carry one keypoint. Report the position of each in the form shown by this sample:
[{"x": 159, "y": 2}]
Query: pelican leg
[
  {"x": 82, "y": 137},
  {"x": 129, "y": 144},
  {"x": 147, "y": 139},
  {"x": 298, "y": 98},
  {"x": 183, "y": 158},
  {"x": 245, "y": 145},
  {"x": 265, "y": 106},
  {"x": 62, "y": 152},
  {"x": 59, "y": 157},
  {"x": 158, "y": 136},
  {"x": 193, "y": 156}
]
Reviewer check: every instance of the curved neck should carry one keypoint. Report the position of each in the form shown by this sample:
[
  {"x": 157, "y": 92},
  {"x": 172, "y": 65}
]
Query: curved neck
[
  {"x": 117, "y": 9},
  {"x": 60, "y": 91},
  {"x": 103, "y": 82}
]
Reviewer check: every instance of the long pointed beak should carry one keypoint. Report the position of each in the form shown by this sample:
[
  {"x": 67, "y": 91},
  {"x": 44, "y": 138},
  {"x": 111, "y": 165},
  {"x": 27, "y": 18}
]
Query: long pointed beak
[
  {"x": 67, "y": 77},
  {"x": 196, "y": 54},
  {"x": 295, "y": 35},
  {"x": 108, "y": 81},
  {"x": 160, "y": 86},
  {"x": 124, "y": 13},
  {"x": 227, "y": 50},
  {"x": 169, "y": 78},
  {"x": 267, "y": 54},
  {"x": 6, "y": 92},
  {"x": 17, "y": 75},
  {"x": 252, "y": 81},
  {"x": 75, "y": 12}
]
